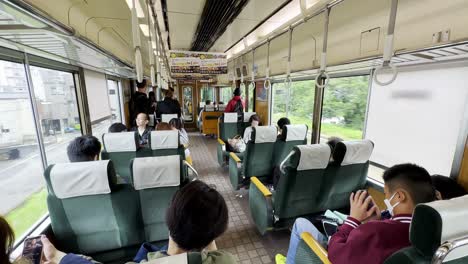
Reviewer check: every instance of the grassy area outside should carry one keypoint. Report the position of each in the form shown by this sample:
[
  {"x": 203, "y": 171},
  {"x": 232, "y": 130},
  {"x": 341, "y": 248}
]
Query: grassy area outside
[{"x": 24, "y": 216}]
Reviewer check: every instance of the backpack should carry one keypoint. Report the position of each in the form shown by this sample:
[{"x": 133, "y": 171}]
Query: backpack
[{"x": 238, "y": 107}]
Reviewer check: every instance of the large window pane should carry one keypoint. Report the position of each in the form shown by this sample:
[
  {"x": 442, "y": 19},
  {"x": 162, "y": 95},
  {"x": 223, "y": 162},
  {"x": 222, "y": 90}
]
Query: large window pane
[
  {"x": 251, "y": 91},
  {"x": 226, "y": 94},
  {"x": 57, "y": 109},
  {"x": 22, "y": 193},
  {"x": 206, "y": 93},
  {"x": 114, "y": 100},
  {"x": 344, "y": 108},
  {"x": 296, "y": 103}
]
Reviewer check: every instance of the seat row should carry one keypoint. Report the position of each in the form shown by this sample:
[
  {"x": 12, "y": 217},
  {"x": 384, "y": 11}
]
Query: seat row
[
  {"x": 438, "y": 234},
  {"x": 91, "y": 214},
  {"x": 121, "y": 148},
  {"x": 312, "y": 180}
]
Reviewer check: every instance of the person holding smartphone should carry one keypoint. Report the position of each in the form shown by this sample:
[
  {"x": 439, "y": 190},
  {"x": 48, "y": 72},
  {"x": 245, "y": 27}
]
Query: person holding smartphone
[{"x": 365, "y": 237}]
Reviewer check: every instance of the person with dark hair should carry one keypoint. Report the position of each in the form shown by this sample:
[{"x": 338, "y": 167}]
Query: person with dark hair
[
  {"x": 7, "y": 240},
  {"x": 140, "y": 100},
  {"x": 84, "y": 148},
  {"x": 178, "y": 124},
  {"x": 364, "y": 237},
  {"x": 197, "y": 216},
  {"x": 163, "y": 126},
  {"x": 446, "y": 187},
  {"x": 332, "y": 141},
  {"x": 200, "y": 115},
  {"x": 152, "y": 102},
  {"x": 254, "y": 121},
  {"x": 142, "y": 130},
  {"x": 236, "y": 104},
  {"x": 281, "y": 123},
  {"x": 168, "y": 105},
  {"x": 117, "y": 128}
]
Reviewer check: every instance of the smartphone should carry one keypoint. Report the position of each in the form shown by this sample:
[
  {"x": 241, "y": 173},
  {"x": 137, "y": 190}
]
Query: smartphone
[
  {"x": 371, "y": 204},
  {"x": 32, "y": 249},
  {"x": 330, "y": 228}
]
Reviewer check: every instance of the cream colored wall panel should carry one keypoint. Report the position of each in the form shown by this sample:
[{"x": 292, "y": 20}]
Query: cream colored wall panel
[
  {"x": 307, "y": 45},
  {"x": 278, "y": 54}
]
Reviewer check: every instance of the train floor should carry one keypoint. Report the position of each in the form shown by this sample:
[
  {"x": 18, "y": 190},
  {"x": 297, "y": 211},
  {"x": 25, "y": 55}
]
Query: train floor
[{"x": 242, "y": 238}]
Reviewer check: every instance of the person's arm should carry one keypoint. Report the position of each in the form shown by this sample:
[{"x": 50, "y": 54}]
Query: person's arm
[
  {"x": 228, "y": 108},
  {"x": 54, "y": 256}
]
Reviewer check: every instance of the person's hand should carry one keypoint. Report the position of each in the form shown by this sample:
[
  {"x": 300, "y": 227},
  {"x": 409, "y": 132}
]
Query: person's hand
[
  {"x": 51, "y": 254},
  {"x": 359, "y": 206}
]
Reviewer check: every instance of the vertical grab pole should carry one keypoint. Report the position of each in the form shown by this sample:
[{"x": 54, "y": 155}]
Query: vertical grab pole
[
  {"x": 288, "y": 80},
  {"x": 323, "y": 59}
]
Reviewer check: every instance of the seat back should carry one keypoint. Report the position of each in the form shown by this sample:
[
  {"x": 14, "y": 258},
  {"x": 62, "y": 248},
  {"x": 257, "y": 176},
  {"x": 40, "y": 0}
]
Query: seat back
[
  {"x": 433, "y": 224},
  {"x": 346, "y": 173},
  {"x": 298, "y": 189},
  {"x": 221, "y": 108},
  {"x": 167, "y": 117},
  {"x": 165, "y": 142},
  {"x": 121, "y": 148},
  {"x": 292, "y": 135},
  {"x": 89, "y": 213},
  {"x": 228, "y": 126},
  {"x": 258, "y": 155},
  {"x": 156, "y": 179}
]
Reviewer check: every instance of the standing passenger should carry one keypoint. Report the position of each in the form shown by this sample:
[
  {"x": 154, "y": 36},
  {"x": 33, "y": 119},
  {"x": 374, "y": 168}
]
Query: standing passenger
[
  {"x": 168, "y": 105},
  {"x": 236, "y": 104},
  {"x": 142, "y": 130},
  {"x": 140, "y": 100}
]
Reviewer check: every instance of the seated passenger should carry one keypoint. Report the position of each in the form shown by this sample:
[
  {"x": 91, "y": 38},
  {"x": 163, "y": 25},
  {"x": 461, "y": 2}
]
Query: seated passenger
[
  {"x": 447, "y": 188},
  {"x": 163, "y": 126},
  {"x": 142, "y": 130},
  {"x": 117, "y": 128},
  {"x": 178, "y": 124},
  {"x": 197, "y": 216},
  {"x": 84, "y": 148},
  {"x": 254, "y": 121},
  {"x": 364, "y": 238},
  {"x": 200, "y": 115},
  {"x": 281, "y": 123}
]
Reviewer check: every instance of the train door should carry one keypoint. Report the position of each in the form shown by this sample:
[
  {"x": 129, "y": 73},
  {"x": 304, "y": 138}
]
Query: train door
[{"x": 188, "y": 109}]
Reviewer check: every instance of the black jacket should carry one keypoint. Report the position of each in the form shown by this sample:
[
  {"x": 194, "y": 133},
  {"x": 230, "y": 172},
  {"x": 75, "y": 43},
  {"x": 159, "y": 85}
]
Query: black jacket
[
  {"x": 168, "y": 106},
  {"x": 141, "y": 104}
]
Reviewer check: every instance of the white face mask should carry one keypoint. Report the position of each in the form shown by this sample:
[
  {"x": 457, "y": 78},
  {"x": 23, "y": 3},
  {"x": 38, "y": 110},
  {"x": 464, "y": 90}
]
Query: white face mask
[{"x": 390, "y": 207}]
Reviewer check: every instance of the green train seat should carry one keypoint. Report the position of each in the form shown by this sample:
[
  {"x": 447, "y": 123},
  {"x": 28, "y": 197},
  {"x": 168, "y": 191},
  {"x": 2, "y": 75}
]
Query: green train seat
[
  {"x": 346, "y": 173},
  {"x": 228, "y": 127},
  {"x": 257, "y": 157},
  {"x": 438, "y": 234},
  {"x": 89, "y": 212},
  {"x": 292, "y": 135},
  {"x": 156, "y": 179},
  {"x": 121, "y": 148},
  {"x": 298, "y": 190},
  {"x": 165, "y": 142}
]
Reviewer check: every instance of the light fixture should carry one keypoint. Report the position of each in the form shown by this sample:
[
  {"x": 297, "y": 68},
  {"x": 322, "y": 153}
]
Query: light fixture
[
  {"x": 145, "y": 29},
  {"x": 140, "y": 13}
]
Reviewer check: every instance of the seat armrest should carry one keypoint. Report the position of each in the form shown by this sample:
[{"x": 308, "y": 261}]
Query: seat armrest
[
  {"x": 260, "y": 186},
  {"x": 235, "y": 168},
  {"x": 315, "y": 247},
  {"x": 221, "y": 142},
  {"x": 235, "y": 157}
]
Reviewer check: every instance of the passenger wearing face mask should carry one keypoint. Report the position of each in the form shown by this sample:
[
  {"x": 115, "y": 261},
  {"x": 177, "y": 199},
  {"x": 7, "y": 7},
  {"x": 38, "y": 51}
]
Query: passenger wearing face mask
[{"x": 365, "y": 237}]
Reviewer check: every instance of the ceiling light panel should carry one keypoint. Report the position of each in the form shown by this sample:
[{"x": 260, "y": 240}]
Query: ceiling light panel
[{"x": 139, "y": 9}]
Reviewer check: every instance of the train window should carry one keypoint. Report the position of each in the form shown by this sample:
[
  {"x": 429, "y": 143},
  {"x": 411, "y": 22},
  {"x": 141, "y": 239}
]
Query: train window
[
  {"x": 206, "y": 93},
  {"x": 226, "y": 94},
  {"x": 58, "y": 111},
  {"x": 187, "y": 109},
  {"x": 251, "y": 102},
  {"x": 344, "y": 108},
  {"x": 298, "y": 106},
  {"x": 114, "y": 100},
  {"x": 22, "y": 193}
]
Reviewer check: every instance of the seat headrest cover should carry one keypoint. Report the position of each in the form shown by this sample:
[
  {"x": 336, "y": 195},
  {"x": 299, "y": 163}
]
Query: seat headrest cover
[
  {"x": 167, "y": 117},
  {"x": 155, "y": 172},
  {"x": 80, "y": 179},
  {"x": 247, "y": 115},
  {"x": 209, "y": 108},
  {"x": 221, "y": 107},
  {"x": 119, "y": 142},
  {"x": 444, "y": 220},
  {"x": 295, "y": 132},
  {"x": 264, "y": 134},
  {"x": 164, "y": 139},
  {"x": 313, "y": 157},
  {"x": 357, "y": 152},
  {"x": 174, "y": 259},
  {"x": 230, "y": 117}
]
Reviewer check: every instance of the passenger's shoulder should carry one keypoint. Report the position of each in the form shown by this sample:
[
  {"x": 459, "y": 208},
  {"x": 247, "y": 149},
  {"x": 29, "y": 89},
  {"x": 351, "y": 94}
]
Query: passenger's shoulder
[{"x": 218, "y": 257}]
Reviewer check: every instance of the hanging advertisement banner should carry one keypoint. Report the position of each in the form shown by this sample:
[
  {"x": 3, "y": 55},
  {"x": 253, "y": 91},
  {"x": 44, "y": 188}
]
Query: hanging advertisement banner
[{"x": 198, "y": 62}]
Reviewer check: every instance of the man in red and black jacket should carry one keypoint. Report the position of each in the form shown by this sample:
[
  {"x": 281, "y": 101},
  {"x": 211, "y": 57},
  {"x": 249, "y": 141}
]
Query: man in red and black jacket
[
  {"x": 236, "y": 104},
  {"x": 364, "y": 237}
]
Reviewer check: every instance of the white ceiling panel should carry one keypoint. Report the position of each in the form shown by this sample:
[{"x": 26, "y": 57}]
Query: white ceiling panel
[{"x": 186, "y": 7}]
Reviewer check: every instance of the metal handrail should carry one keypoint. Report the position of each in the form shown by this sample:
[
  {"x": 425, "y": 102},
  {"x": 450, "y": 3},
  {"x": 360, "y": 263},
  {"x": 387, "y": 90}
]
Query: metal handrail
[
  {"x": 186, "y": 163},
  {"x": 283, "y": 163},
  {"x": 448, "y": 247}
]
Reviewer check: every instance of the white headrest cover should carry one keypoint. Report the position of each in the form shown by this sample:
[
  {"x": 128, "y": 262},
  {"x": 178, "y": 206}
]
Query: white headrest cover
[
  {"x": 230, "y": 117},
  {"x": 265, "y": 134},
  {"x": 80, "y": 179},
  {"x": 209, "y": 108},
  {"x": 154, "y": 172},
  {"x": 221, "y": 107},
  {"x": 167, "y": 117},
  {"x": 313, "y": 157},
  {"x": 247, "y": 116},
  {"x": 296, "y": 132},
  {"x": 174, "y": 259},
  {"x": 357, "y": 152},
  {"x": 164, "y": 139},
  {"x": 119, "y": 142}
]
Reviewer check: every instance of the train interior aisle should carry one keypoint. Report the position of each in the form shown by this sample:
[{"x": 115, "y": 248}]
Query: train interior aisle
[{"x": 242, "y": 238}]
